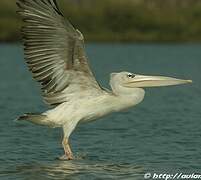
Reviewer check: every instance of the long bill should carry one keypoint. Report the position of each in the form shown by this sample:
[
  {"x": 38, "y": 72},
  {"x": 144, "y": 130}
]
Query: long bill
[{"x": 155, "y": 81}]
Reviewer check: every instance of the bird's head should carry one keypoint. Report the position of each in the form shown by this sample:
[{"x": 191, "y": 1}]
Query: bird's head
[{"x": 124, "y": 82}]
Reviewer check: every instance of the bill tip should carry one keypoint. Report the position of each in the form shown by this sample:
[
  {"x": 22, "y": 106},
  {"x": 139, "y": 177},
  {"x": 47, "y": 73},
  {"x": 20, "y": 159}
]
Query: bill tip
[{"x": 189, "y": 81}]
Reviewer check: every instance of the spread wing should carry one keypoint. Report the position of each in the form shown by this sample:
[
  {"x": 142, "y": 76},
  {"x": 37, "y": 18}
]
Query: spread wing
[{"x": 54, "y": 51}]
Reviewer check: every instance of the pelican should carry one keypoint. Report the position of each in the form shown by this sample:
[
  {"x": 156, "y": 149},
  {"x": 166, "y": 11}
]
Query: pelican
[{"x": 55, "y": 54}]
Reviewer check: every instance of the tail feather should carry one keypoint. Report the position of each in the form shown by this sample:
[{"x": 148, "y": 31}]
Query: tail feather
[{"x": 39, "y": 119}]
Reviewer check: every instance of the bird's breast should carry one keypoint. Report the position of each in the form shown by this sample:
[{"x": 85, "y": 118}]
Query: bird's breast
[{"x": 103, "y": 106}]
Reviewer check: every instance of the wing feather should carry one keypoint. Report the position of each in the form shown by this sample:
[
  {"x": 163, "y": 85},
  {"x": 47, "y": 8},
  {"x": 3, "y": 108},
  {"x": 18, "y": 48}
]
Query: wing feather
[{"x": 54, "y": 51}]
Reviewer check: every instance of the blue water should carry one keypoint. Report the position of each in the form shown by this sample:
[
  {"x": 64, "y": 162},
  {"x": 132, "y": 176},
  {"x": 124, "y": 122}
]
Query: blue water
[{"x": 160, "y": 135}]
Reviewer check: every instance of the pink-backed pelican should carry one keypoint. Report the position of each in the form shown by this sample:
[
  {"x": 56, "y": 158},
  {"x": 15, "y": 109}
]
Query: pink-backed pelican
[{"x": 55, "y": 54}]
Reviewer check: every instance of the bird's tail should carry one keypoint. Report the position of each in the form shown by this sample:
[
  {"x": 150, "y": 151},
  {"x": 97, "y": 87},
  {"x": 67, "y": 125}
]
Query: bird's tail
[{"x": 38, "y": 119}]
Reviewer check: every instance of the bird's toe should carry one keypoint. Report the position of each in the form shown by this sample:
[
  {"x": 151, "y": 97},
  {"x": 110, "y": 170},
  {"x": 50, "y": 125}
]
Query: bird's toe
[{"x": 65, "y": 158}]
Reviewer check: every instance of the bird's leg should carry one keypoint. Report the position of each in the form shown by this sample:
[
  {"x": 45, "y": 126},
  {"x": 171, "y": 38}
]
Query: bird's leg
[{"x": 67, "y": 150}]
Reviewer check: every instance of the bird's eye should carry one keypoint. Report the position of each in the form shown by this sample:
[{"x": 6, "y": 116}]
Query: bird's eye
[{"x": 131, "y": 75}]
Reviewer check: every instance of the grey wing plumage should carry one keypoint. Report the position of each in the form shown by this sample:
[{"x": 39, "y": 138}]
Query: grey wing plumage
[{"x": 54, "y": 51}]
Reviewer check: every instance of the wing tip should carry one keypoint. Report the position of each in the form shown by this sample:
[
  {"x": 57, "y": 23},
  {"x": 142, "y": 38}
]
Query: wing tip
[{"x": 52, "y": 3}]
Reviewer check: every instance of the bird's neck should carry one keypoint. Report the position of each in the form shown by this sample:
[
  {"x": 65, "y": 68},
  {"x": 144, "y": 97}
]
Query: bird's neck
[{"x": 129, "y": 97}]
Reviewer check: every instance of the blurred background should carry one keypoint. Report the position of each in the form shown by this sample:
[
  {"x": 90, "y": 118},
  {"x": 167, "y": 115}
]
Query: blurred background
[{"x": 120, "y": 20}]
